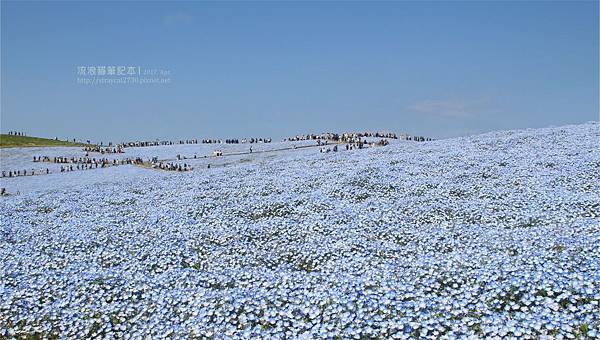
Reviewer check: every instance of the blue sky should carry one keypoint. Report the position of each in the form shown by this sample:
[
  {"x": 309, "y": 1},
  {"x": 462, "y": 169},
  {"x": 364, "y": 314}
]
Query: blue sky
[{"x": 274, "y": 69}]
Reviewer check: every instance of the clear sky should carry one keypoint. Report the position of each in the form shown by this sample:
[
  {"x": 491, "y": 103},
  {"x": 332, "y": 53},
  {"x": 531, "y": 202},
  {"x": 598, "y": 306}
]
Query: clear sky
[{"x": 273, "y": 69}]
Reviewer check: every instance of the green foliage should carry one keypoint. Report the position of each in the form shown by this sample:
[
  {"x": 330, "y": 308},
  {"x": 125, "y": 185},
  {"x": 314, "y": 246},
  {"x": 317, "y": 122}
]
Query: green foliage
[{"x": 9, "y": 141}]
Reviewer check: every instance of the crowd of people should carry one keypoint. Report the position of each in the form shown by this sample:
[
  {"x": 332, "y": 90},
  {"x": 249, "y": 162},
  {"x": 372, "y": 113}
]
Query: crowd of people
[
  {"x": 19, "y": 173},
  {"x": 103, "y": 150},
  {"x": 419, "y": 138},
  {"x": 100, "y": 163},
  {"x": 81, "y": 163},
  {"x": 355, "y": 144},
  {"x": 381, "y": 142},
  {"x": 309, "y": 137},
  {"x": 354, "y": 137},
  {"x": 171, "y": 166},
  {"x": 120, "y": 148},
  {"x": 16, "y": 133},
  {"x": 138, "y": 144},
  {"x": 88, "y": 164},
  {"x": 237, "y": 141},
  {"x": 82, "y": 160},
  {"x": 351, "y": 143},
  {"x": 69, "y": 164},
  {"x": 103, "y": 162},
  {"x": 325, "y": 150},
  {"x": 351, "y": 140},
  {"x": 415, "y": 138},
  {"x": 344, "y": 137},
  {"x": 180, "y": 157}
]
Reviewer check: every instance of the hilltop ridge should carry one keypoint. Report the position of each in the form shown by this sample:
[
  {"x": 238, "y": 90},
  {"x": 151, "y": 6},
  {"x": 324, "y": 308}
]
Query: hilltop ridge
[{"x": 11, "y": 141}]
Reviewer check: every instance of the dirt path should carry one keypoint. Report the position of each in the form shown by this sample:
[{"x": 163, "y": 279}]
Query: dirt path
[{"x": 184, "y": 158}]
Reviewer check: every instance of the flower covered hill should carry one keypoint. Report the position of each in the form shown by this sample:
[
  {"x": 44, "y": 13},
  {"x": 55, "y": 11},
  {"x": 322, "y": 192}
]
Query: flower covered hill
[{"x": 496, "y": 234}]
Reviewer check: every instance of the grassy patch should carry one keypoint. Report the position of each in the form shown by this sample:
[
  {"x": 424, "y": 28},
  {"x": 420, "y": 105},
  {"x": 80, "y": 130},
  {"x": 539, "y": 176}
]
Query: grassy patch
[{"x": 8, "y": 141}]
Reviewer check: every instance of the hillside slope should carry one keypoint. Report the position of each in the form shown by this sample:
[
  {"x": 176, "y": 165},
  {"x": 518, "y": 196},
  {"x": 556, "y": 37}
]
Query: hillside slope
[
  {"x": 495, "y": 235},
  {"x": 10, "y": 141}
]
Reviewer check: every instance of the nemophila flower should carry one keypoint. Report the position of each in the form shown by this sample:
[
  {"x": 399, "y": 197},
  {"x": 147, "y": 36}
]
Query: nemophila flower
[{"x": 488, "y": 236}]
